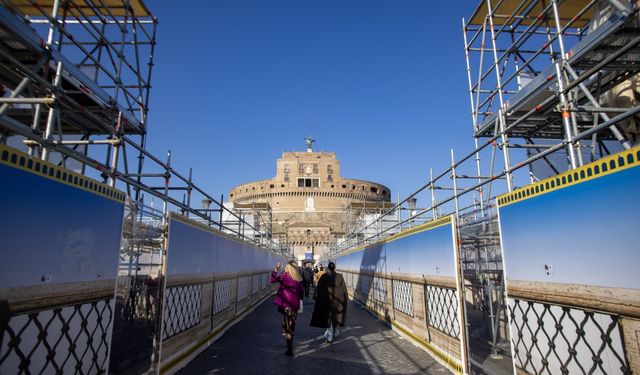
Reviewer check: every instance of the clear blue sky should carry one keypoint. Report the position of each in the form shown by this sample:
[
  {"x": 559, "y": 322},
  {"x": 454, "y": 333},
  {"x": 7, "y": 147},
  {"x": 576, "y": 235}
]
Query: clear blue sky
[{"x": 382, "y": 83}]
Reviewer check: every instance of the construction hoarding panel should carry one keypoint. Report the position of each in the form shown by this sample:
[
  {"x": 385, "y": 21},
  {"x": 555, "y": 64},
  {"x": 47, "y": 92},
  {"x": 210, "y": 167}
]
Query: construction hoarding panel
[
  {"x": 61, "y": 235},
  {"x": 570, "y": 246},
  {"x": 410, "y": 279},
  {"x": 425, "y": 251},
  {"x": 429, "y": 253},
  {"x": 211, "y": 279}
]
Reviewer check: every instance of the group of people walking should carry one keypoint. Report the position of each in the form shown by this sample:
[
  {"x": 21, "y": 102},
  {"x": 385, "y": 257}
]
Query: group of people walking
[{"x": 330, "y": 295}]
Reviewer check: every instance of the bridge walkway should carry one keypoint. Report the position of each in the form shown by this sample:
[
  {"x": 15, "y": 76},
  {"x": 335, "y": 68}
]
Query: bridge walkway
[{"x": 365, "y": 346}]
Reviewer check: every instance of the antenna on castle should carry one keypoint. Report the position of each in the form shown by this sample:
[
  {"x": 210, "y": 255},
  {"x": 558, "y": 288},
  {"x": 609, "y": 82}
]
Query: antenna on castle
[{"x": 309, "y": 141}]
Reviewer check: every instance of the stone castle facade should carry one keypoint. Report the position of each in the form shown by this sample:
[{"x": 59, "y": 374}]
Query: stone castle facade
[{"x": 309, "y": 200}]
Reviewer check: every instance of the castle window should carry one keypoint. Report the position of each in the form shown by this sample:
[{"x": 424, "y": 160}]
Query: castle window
[
  {"x": 286, "y": 168},
  {"x": 330, "y": 178},
  {"x": 308, "y": 182},
  {"x": 301, "y": 168},
  {"x": 286, "y": 177},
  {"x": 344, "y": 186},
  {"x": 374, "y": 189},
  {"x": 315, "y": 168},
  {"x": 330, "y": 169}
]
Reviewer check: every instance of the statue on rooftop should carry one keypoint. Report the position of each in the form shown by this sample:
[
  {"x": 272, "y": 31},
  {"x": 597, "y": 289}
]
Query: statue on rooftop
[{"x": 309, "y": 141}]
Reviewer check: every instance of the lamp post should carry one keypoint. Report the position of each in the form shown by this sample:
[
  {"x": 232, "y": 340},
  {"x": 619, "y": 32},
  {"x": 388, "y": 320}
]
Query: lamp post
[
  {"x": 411, "y": 202},
  {"x": 206, "y": 203}
]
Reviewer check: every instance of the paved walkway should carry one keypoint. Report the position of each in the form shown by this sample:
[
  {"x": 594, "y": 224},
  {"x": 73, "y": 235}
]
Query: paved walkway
[{"x": 366, "y": 346}]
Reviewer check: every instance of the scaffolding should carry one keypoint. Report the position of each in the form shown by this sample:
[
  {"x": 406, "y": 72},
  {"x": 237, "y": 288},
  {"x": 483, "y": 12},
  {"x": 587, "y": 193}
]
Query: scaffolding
[
  {"x": 75, "y": 83},
  {"x": 259, "y": 215},
  {"x": 549, "y": 77},
  {"x": 552, "y": 86},
  {"x": 76, "y": 79},
  {"x": 358, "y": 216},
  {"x": 552, "y": 66}
]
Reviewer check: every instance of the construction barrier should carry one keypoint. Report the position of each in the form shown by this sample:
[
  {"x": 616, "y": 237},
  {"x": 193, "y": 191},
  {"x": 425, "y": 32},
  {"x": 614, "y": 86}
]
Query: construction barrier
[
  {"x": 570, "y": 247},
  {"x": 212, "y": 281},
  {"x": 58, "y": 270},
  {"x": 409, "y": 280}
]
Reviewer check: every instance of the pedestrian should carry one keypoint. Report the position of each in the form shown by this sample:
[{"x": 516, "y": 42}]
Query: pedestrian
[
  {"x": 330, "y": 309},
  {"x": 319, "y": 274},
  {"x": 307, "y": 278},
  {"x": 288, "y": 299}
]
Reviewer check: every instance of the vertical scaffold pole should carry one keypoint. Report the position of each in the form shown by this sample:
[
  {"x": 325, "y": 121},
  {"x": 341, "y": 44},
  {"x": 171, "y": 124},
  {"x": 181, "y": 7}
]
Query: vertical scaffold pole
[
  {"x": 566, "y": 117},
  {"x": 56, "y": 81},
  {"x": 480, "y": 72},
  {"x": 221, "y": 212},
  {"x": 434, "y": 214},
  {"x": 157, "y": 342},
  {"x": 473, "y": 113},
  {"x": 501, "y": 112},
  {"x": 189, "y": 191},
  {"x": 399, "y": 214},
  {"x": 462, "y": 312},
  {"x": 466, "y": 55},
  {"x": 113, "y": 165},
  {"x": 455, "y": 184}
]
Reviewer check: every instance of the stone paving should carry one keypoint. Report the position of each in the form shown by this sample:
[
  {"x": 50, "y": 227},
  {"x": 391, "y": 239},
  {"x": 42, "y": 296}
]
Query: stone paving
[{"x": 366, "y": 346}]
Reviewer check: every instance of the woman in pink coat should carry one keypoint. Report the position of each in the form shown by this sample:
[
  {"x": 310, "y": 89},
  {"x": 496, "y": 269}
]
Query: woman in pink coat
[{"x": 288, "y": 299}]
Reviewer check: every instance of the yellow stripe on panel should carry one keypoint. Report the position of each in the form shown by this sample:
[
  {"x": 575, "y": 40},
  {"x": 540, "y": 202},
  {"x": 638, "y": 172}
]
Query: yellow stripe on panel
[
  {"x": 19, "y": 160},
  {"x": 601, "y": 167}
]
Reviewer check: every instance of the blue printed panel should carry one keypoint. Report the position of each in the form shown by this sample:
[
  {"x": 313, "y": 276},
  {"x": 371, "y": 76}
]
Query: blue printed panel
[
  {"x": 424, "y": 253},
  {"x": 581, "y": 234},
  {"x": 53, "y": 232},
  {"x": 60, "y": 232},
  {"x": 429, "y": 252},
  {"x": 196, "y": 250}
]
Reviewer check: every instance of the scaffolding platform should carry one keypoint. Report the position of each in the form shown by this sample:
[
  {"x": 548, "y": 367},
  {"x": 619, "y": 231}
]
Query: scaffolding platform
[
  {"x": 105, "y": 83},
  {"x": 536, "y": 105}
]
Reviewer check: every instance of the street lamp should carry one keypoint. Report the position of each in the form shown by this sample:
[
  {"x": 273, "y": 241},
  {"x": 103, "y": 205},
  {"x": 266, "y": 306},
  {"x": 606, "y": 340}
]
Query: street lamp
[
  {"x": 411, "y": 202},
  {"x": 206, "y": 203}
]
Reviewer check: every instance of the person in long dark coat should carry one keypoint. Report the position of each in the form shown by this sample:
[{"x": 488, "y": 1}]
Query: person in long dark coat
[
  {"x": 307, "y": 278},
  {"x": 330, "y": 309}
]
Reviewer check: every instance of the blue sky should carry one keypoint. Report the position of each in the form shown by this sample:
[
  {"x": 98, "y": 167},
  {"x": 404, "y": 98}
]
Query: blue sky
[{"x": 381, "y": 83}]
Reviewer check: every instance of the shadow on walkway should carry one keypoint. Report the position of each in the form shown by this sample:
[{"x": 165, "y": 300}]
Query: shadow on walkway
[{"x": 365, "y": 346}]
